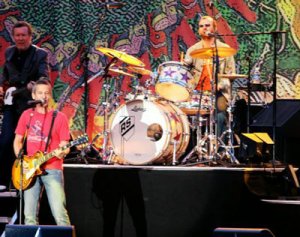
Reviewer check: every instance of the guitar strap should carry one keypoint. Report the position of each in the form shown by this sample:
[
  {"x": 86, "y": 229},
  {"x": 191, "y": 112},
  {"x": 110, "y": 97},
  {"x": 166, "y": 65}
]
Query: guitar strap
[
  {"x": 21, "y": 152},
  {"x": 50, "y": 131}
]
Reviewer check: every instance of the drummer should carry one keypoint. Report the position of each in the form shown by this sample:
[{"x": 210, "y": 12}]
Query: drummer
[{"x": 202, "y": 68}]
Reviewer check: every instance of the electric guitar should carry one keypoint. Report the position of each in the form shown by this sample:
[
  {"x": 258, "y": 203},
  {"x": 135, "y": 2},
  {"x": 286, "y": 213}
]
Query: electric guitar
[{"x": 34, "y": 162}]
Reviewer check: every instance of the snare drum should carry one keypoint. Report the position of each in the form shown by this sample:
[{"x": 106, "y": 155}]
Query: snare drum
[
  {"x": 174, "y": 81},
  {"x": 143, "y": 132},
  {"x": 191, "y": 107}
]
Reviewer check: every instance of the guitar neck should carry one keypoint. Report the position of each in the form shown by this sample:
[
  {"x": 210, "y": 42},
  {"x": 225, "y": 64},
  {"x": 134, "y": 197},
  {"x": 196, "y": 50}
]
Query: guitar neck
[{"x": 48, "y": 156}]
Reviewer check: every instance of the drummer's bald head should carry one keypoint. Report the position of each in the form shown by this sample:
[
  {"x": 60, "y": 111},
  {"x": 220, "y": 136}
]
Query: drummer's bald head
[{"x": 209, "y": 18}]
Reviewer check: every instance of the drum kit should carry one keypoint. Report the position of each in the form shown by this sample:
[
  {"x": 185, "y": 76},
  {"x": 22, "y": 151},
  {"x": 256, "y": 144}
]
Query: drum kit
[{"x": 155, "y": 127}]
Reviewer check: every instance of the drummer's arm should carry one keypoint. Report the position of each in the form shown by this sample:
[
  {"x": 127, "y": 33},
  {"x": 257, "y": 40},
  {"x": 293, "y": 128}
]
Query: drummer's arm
[
  {"x": 188, "y": 60},
  {"x": 229, "y": 68}
]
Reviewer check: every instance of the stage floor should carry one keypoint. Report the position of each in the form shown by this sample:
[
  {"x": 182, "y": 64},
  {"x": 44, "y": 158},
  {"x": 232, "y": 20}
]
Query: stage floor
[{"x": 121, "y": 200}]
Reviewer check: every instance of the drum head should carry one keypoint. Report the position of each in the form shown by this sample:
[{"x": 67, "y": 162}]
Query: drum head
[
  {"x": 139, "y": 131},
  {"x": 174, "y": 81},
  {"x": 172, "y": 92}
]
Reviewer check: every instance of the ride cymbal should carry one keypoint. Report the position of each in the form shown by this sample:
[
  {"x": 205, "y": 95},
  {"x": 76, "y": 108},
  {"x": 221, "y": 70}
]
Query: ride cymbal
[
  {"x": 140, "y": 70},
  {"x": 207, "y": 53},
  {"x": 126, "y": 58}
]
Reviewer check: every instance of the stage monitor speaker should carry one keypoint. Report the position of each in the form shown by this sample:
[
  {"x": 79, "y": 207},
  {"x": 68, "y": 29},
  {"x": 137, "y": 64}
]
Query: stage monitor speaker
[
  {"x": 39, "y": 231},
  {"x": 242, "y": 232}
]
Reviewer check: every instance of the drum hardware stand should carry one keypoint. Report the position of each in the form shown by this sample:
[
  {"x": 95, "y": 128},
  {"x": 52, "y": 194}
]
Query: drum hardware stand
[
  {"x": 105, "y": 104},
  {"x": 229, "y": 149},
  {"x": 174, "y": 162},
  {"x": 200, "y": 141}
]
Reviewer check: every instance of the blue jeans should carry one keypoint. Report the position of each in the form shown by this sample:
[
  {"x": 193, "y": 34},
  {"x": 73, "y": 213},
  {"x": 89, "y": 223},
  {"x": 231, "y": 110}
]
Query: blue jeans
[
  {"x": 53, "y": 182},
  {"x": 222, "y": 122}
]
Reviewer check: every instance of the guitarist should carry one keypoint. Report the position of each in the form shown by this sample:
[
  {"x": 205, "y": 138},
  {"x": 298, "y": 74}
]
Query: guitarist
[
  {"x": 36, "y": 123},
  {"x": 24, "y": 64}
]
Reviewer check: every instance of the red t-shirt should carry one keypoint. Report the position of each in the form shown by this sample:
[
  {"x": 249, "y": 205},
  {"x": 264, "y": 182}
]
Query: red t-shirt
[{"x": 39, "y": 127}]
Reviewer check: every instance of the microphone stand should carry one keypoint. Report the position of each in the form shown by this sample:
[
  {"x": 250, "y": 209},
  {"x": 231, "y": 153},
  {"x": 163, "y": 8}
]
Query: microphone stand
[
  {"x": 20, "y": 157},
  {"x": 106, "y": 75},
  {"x": 248, "y": 93},
  {"x": 84, "y": 62},
  {"x": 274, "y": 120},
  {"x": 21, "y": 192},
  {"x": 216, "y": 68},
  {"x": 274, "y": 35}
]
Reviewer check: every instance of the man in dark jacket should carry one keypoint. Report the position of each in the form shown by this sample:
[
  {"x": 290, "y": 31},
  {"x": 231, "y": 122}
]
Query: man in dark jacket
[{"x": 24, "y": 64}]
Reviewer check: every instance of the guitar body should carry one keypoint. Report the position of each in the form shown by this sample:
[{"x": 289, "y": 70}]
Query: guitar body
[
  {"x": 8, "y": 98},
  {"x": 29, "y": 173},
  {"x": 11, "y": 92},
  {"x": 31, "y": 164}
]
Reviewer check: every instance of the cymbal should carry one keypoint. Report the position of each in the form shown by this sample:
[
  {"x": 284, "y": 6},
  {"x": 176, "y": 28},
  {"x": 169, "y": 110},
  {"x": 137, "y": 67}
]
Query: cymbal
[
  {"x": 120, "y": 72},
  {"x": 232, "y": 76},
  {"x": 139, "y": 70},
  {"x": 126, "y": 58},
  {"x": 207, "y": 53}
]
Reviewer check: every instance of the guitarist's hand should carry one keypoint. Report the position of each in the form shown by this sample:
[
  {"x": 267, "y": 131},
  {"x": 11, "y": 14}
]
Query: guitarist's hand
[
  {"x": 61, "y": 153},
  {"x": 26, "y": 167},
  {"x": 1, "y": 91},
  {"x": 30, "y": 85}
]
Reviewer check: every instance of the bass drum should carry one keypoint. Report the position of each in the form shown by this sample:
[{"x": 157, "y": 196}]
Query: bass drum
[{"x": 143, "y": 132}]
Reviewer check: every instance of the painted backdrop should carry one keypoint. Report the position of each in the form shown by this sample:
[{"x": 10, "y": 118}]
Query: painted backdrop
[{"x": 154, "y": 32}]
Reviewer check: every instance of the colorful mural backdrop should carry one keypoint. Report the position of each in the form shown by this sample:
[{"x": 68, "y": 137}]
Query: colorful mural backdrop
[{"x": 154, "y": 32}]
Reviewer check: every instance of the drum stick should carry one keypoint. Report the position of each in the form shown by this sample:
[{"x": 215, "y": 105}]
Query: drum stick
[{"x": 181, "y": 57}]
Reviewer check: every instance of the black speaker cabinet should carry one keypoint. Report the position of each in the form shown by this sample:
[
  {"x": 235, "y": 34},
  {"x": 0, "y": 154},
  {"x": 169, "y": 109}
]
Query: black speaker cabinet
[
  {"x": 287, "y": 128},
  {"x": 39, "y": 230},
  {"x": 242, "y": 232}
]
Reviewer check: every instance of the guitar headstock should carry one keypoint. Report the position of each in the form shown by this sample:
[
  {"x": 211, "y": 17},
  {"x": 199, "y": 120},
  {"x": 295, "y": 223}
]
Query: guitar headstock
[{"x": 80, "y": 140}]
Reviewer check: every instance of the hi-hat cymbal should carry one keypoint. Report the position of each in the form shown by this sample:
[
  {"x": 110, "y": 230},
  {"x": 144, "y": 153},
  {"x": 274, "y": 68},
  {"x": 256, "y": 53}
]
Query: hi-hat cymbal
[
  {"x": 207, "y": 53},
  {"x": 232, "y": 77},
  {"x": 139, "y": 70},
  {"x": 126, "y": 58},
  {"x": 116, "y": 70}
]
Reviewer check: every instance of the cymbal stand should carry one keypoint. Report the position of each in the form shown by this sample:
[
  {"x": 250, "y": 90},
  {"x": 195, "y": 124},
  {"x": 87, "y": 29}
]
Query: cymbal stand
[
  {"x": 229, "y": 149},
  {"x": 212, "y": 138},
  {"x": 142, "y": 89},
  {"x": 105, "y": 153}
]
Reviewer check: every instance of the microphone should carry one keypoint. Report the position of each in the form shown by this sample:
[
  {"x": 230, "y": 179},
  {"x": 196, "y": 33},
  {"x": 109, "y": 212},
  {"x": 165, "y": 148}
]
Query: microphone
[
  {"x": 209, "y": 34},
  {"x": 114, "y": 5},
  {"x": 35, "y": 102}
]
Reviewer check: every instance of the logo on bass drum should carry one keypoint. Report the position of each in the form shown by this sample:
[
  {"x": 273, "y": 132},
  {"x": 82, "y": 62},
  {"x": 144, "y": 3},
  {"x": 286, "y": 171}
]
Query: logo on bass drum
[{"x": 127, "y": 127}]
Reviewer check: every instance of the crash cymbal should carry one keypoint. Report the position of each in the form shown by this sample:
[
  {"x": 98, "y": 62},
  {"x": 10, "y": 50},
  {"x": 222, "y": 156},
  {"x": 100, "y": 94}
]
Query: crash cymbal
[
  {"x": 139, "y": 70},
  {"x": 126, "y": 58},
  {"x": 116, "y": 70},
  {"x": 232, "y": 76},
  {"x": 207, "y": 53}
]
